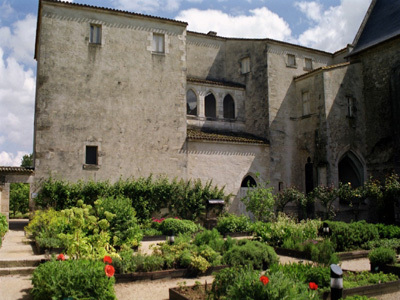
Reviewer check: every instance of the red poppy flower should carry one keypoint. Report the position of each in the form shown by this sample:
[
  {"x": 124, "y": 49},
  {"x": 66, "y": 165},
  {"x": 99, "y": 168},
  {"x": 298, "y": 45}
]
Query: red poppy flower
[
  {"x": 109, "y": 269},
  {"x": 107, "y": 259},
  {"x": 60, "y": 257},
  {"x": 313, "y": 286},
  {"x": 264, "y": 279}
]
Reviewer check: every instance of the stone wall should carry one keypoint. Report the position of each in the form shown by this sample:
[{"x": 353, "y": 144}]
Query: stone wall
[{"x": 118, "y": 95}]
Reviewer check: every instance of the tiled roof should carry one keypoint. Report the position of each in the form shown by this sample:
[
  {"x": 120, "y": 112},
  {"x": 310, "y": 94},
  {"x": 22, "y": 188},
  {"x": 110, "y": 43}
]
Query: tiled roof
[
  {"x": 322, "y": 69},
  {"x": 229, "y": 137},
  {"x": 115, "y": 10},
  {"x": 16, "y": 170},
  {"x": 381, "y": 23},
  {"x": 214, "y": 82}
]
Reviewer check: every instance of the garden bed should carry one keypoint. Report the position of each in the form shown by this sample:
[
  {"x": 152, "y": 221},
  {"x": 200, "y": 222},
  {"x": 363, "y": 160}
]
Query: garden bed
[
  {"x": 341, "y": 255},
  {"x": 173, "y": 273},
  {"x": 370, "y": 290},
  {"x": 393, "y": 269},
  {"x": 193, "y": 292}
]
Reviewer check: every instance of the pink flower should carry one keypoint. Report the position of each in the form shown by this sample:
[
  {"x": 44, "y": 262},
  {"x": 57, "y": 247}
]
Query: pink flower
[
  {"x": 264, "y": 279},
  {"x": 60, "y": 257},
  {"x": 107, "y": 259},
  {"x": 313, "y": 286},
  {"x": 109, "y": 269}
]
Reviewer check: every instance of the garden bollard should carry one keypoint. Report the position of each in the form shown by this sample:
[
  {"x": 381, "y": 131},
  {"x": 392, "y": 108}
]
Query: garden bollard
[{"x": 336, "y": 282}]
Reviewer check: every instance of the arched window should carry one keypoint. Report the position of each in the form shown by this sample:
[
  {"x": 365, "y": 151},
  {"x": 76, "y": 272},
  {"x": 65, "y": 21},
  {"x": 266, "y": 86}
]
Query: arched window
[
  {"x": 229, "y": 107},
  {"x": 191, "y": 103},
  {"x": 210, "y": 106},
  {"x": 351, "y": 170},
  {"x": 248, "y": 181}
]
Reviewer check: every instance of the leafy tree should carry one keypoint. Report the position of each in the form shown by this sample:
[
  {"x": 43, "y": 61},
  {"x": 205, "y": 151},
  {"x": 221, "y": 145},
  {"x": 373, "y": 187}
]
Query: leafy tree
[
  {"x": 19, "y": 198},
  {"x": 27, "y": 161},
  {"x": 260, "y": 201}
]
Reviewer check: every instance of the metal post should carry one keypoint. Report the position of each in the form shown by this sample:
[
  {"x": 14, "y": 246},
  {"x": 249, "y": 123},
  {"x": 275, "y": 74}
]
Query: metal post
[{"x": 336, "y": 282}]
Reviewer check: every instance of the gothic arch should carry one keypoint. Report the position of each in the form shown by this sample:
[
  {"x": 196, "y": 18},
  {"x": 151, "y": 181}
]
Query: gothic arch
[
  {"x": 229, "y": 107},
  {"x": 191, "y": 102},
  {"x": 210, "y": 105},
  {"x": 351, "y": 169}
]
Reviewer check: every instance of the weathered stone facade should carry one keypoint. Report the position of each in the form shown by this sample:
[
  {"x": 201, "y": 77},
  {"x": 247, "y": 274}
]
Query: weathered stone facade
[{"x": 258, "y": 106}]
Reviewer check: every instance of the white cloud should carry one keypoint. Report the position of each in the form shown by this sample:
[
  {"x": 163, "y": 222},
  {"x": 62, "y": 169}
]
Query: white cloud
[
  {"x": 313, "y": 10},
  {"x": 5, "y": 10},
  {"x": 20, "y": 39},
  {"x": 147, "y": 6},
  {"x": 10, "y": 159},
  {"x": 336, "y": 27},
  {"x": 261, "y": 23}
]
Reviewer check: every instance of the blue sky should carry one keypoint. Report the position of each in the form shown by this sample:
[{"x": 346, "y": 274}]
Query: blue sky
[{"x": 327, "y": 25}]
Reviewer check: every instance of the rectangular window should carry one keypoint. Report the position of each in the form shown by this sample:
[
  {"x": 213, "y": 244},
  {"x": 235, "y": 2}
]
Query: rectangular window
[
  {"x": 91, "y": 155},
  {"x": 308, "y": 64},
  {"x": 306, "y": 103},
  {"x": 350, "y": 107},
  {"x": 95, "y": 34},
  {"x": 245, "y": 65},
  {"x": 291, "y": 60},
  {"x": 158, "y": 43}
]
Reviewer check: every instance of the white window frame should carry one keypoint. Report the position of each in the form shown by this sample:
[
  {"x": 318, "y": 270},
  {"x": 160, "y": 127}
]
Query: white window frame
[
  {"x": 305, "y": 97},
  {"x": 245, "y": 65},
  {"x": 290, "y": 62},
  {"x": 95, "y": 34},
  {"x": 158, "y": 43},
  {"x": 310, "y": 67}
]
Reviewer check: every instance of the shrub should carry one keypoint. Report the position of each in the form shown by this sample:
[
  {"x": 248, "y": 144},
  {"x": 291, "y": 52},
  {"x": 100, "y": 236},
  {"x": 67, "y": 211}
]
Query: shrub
[
  {"x": 124, "y": 227},
  {"x": 382, "y": 256},
  {"x": 260, "y": 201},
  {"x": 19, "y": 198},
  {"x": 79, "y": 279},
  {"x": 351, "y": 236},
  {"x": 357, "y": 297},
  {"x": 231, "y": 223},
  {"x": 322, "y": 252},
  {"x": 251, "y": 253},
  {"x": 210, "y": 238},
  {"x": 3, "y": 226},
  {"x": 245, "y": 283},
  {"x": 388, "y": 231},
  {"x": 356, "y": 279},
  {"x": 173, "y": 226},
  {"x": 386, "y": 243}
]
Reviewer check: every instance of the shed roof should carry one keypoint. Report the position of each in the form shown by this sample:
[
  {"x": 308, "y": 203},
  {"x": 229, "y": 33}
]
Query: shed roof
[
  {"x": 18, "y": 170},
  {"x": 220, "y": 136}
]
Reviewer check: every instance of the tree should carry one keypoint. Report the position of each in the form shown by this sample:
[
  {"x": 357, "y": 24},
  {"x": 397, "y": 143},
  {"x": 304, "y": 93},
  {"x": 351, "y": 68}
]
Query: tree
[
  {"x": 27, "y": 161},
  {"x": 19, "y": 198},
  {"x": 260, "y": 201}
]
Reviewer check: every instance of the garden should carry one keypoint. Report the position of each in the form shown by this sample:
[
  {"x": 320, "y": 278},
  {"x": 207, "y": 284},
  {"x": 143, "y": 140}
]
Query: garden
[{"x": 95, "y": 229}]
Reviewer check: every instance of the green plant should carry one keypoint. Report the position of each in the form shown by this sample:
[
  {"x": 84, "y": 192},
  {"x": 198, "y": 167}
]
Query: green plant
[
  {"x": 199, "y": 264},
  {"x": 386, "y": 243},
  {"x": 388, "y": 231},
  {"x": 260, "y": 201},
  {"x": 230, "y": 223},
  {"x": 251, "y": 253},
  {"x": 289, "y": 195},
  {"x": 351, "y": 236},
  {"x": 210, "y": 238},
  {"x": 78, "y": 279},
  {"x": 323, "y": 252},
  {"x": 121, "y": 217},
  {"x": 355, "y": 279},
  {"x": 358, "y": 297},
  {"x": 3, "y": 227},
  {"x": 19, "y": 198},
  {"x": 326, "y": 196},
  {"x": 382, "y": 256},
  {"x": 172, "y": 226}
]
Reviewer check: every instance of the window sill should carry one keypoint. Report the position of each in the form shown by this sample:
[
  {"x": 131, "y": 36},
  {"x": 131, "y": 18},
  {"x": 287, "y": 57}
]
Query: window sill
[
  {"x": 158, "y": 53},
  {"x": 291, "y": 66},
  {"x": 308, "y": 69},
  {"x": 90, "y": 167},
  {"x": 94, "y": 44}
]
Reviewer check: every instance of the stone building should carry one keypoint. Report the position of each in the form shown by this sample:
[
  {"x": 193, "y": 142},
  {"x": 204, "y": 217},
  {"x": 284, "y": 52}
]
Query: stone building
[{"x": 121, "y": 94}]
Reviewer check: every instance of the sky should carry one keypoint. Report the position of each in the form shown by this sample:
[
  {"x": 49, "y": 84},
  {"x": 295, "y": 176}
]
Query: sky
[{"x": 327, "y": 25}]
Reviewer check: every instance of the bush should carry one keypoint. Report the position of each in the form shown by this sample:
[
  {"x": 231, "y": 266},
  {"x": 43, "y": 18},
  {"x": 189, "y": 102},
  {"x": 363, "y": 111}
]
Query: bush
[
  {"x": 230, "y": 223},
  {"x": 382, "y": 256},
  {"x": 251, "y": 253},
  {"x": 386, "y": 243},
  {"x": 352, "y": 236},
  {"x": 357, "y": 279},
  {"x": 19, "y": 198},
  {"x": 245, "y": 283},
  {"x": 147, "y": 195},
  {"x": 79, "y": 279},
  {"x": 3, "y": 226},
  {"x": 357, "y": 297},
  {"x": 210, "y": 238},
  {"x": 124, "y": 227},
  {"x": 173, "y": 226},
  {"x": 322, "y": 252},
  {"x": 388, "y": 231}
]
